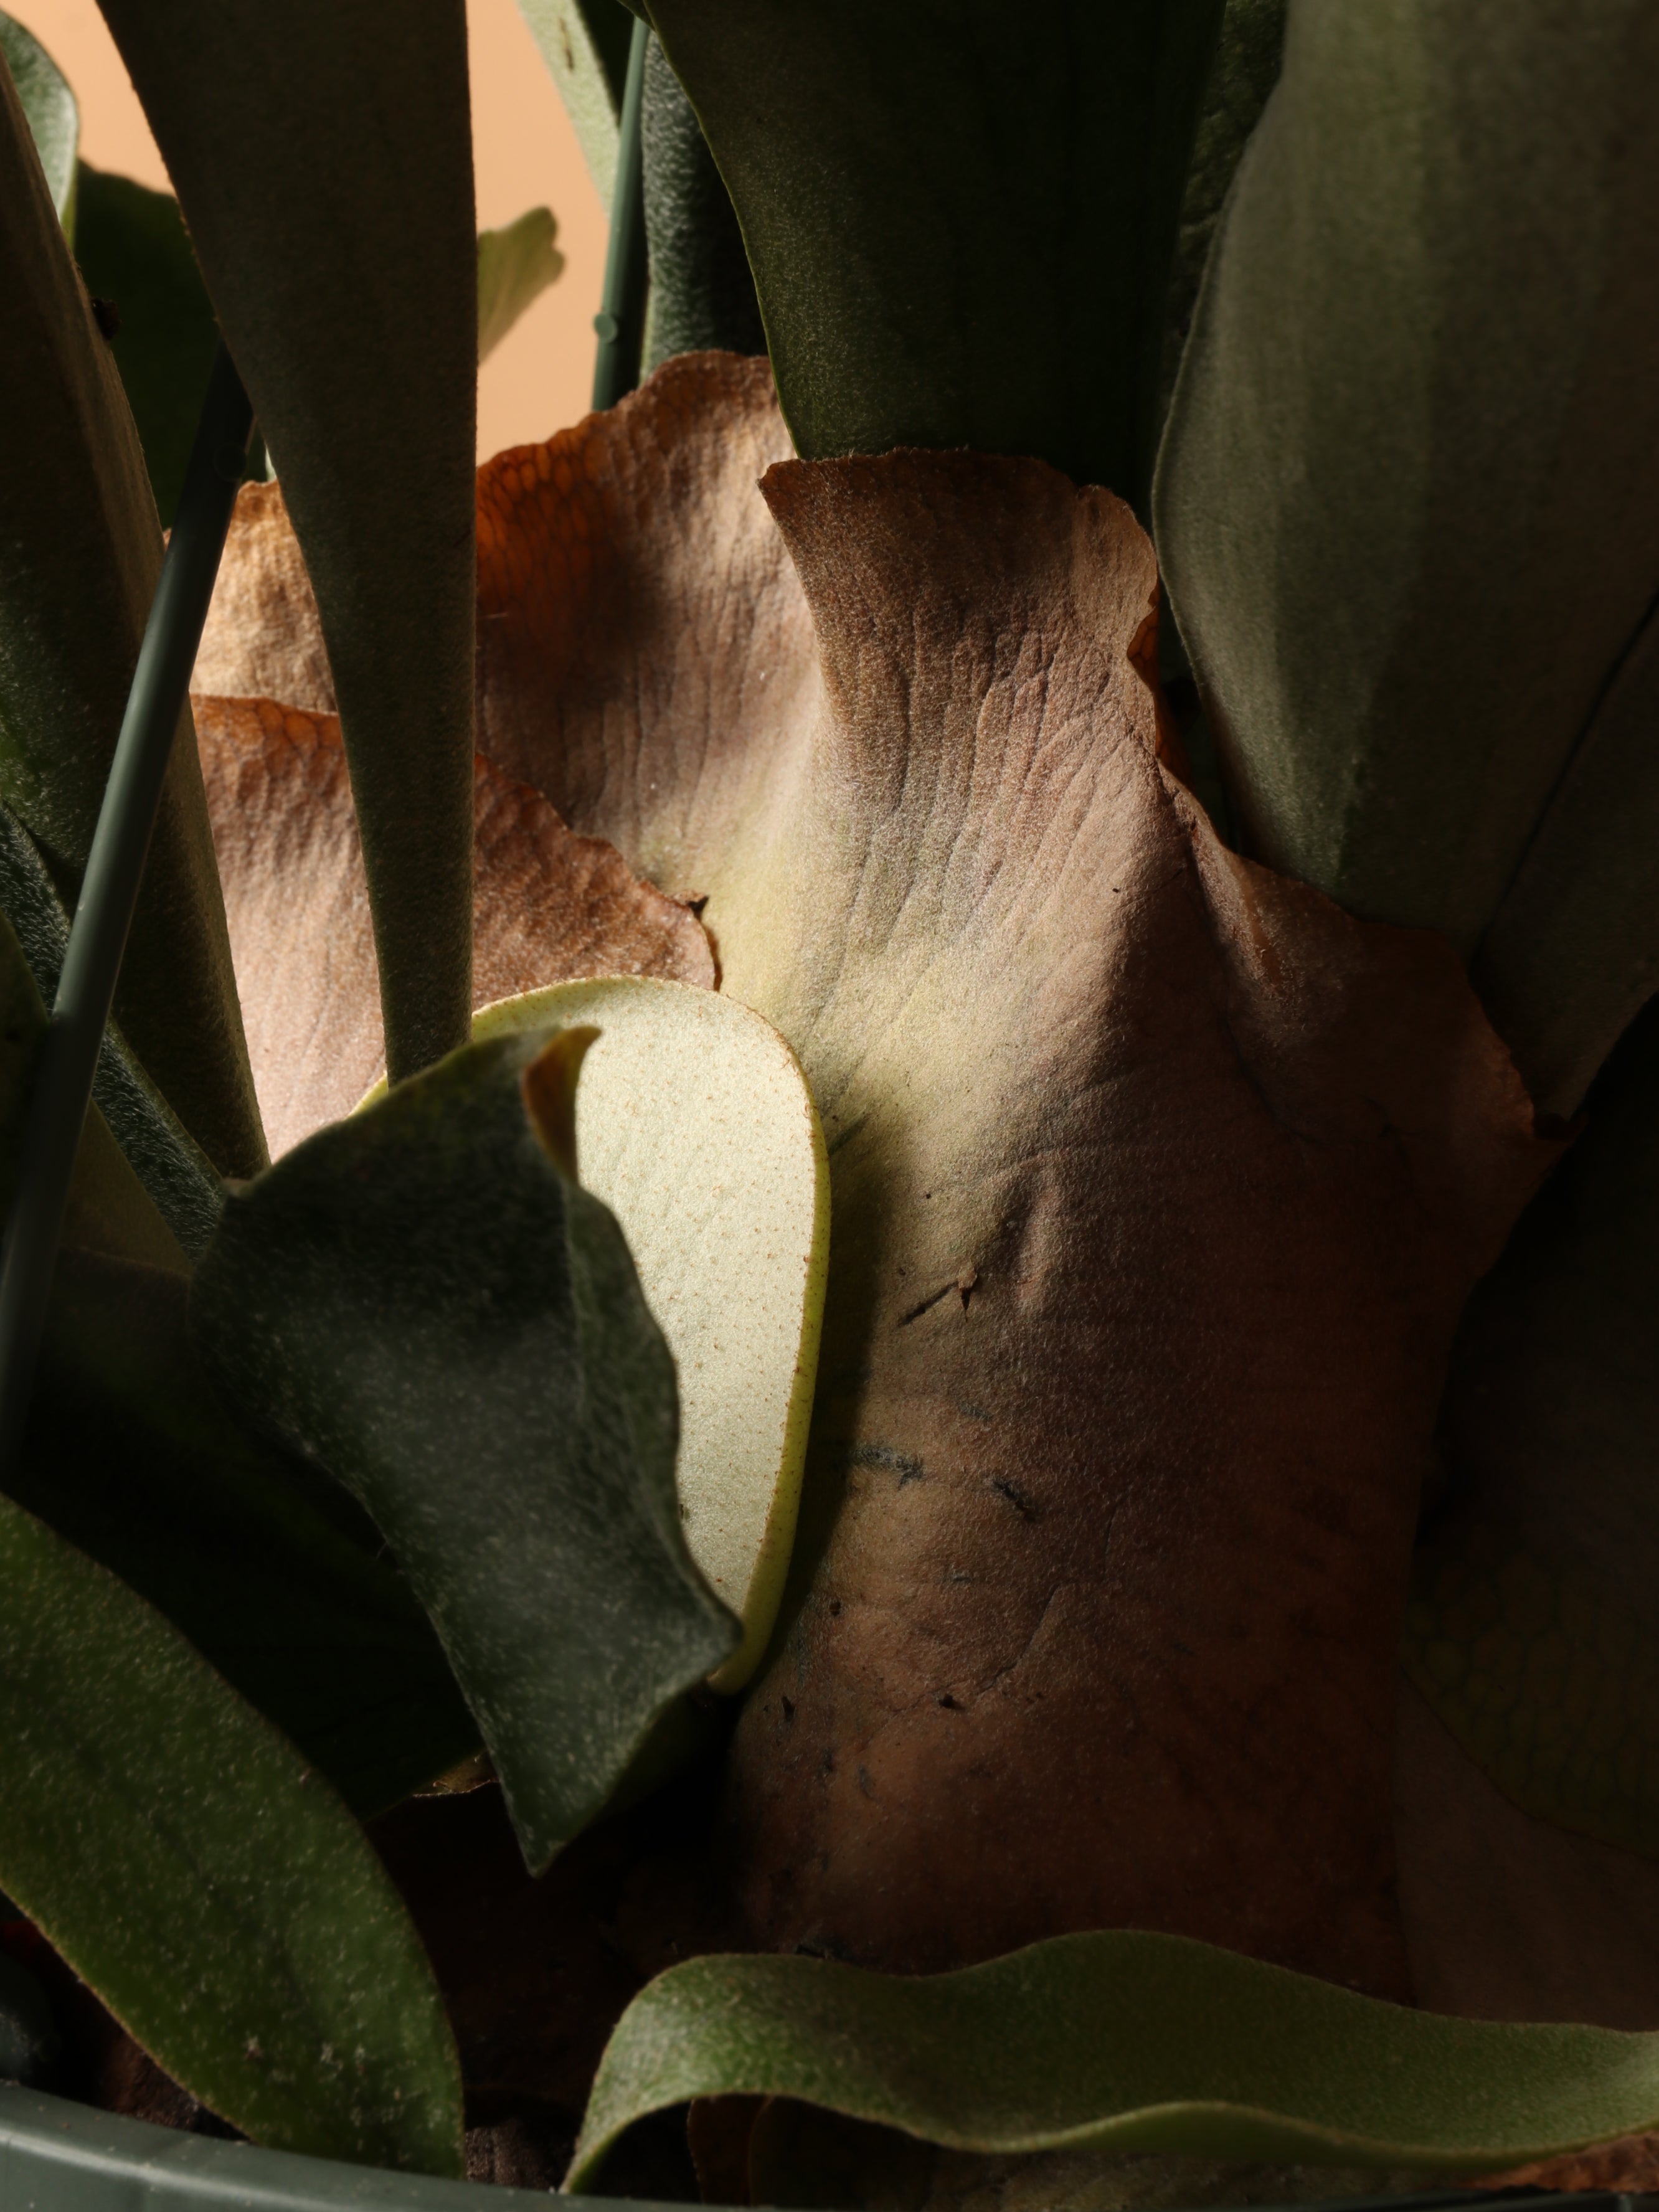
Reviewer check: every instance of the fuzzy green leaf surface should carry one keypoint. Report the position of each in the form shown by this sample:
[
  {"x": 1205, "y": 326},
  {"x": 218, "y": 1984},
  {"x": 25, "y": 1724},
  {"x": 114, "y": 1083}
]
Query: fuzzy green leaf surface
[
  {"x": 516, "y": 264},
  {"x": 585, "y": 46},
  {"x": 702, "y": 295},
  {"x": 1408, "y": 497},
  {"x": 986, "y": 265},
  {"x": 1243, "y": 72},
  {"x": 54, "y": 120},
  {"x": 323, "y": 160},
  {"x": 80, "y": 552},
  {"x": 108, "y": 1210},
  {"x": 274, "y": 1573},
  {"x": 175, "y": 1172},
  {"x": 1123, "y": 2041},
  {"x": 1532, "y": 1629},
  {"x": 177, "y": 1851},
  {"x": 423, "y": 1301},
  {"x": 135, "y": 251}
]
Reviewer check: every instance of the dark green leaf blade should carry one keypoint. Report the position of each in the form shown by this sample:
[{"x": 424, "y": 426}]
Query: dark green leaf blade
[
  {"x": 174, "y": 1170},
  {"x": 109, "y": 1209},
  {"x": 1409, "y": 498},
  {"x": 268, "y": 1566},
  {"x": 135, "y": 251},
  {"x": 421, "y": 1300},
  {"x": 1532, "y": 1629},
  {"x": 1244, "y": 71},
  {"x": 80, "y": 553},
  {"x": 218, "y": 1898},
  {"x": 322, "y": 158},
  {"x": 54, "y": 120},
  {"x": 1122, "y": 2041},
  {"x": 702, "y": 295},
  {"x": 984, "y": 266}
]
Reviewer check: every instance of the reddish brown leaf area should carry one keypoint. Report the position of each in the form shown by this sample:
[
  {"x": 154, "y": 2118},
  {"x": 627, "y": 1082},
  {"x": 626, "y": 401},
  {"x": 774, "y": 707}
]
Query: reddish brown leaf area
[
  {"x": 1158, "y": 1182},
  {"x": 263, "y": 639},
  {"x": 547, "y": 905},
  {"x": 1102, "y": 1622},
  {"x": 1158, "y": 1185},
  {"x": 642, "y": 640}
]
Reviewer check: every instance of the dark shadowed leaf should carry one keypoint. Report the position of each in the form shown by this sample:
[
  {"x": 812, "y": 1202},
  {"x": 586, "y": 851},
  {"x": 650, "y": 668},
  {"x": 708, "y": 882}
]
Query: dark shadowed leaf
[
  {"x": 135, "y": 252},
  {"x": 985, "y": 266},
  {"x": 585, "y": 46},
  {"x": 266, "y": 1565},
  {"x": 54, "y": 120},
  {"x": 1532, "y": 1630},
  {"x": 702, "y": 295},
  {"x": 213, "y": 1891},
  {"x": 1243, "y": 74},
  {"x": 174, "y": 1170},
  {"x": 28, "y": 2034},
  {"x": 1123, "y": 2041},
  {"x": 323, "y": 160},
  {"x": 1408, "y": 500},
  {"x": 108, "y": 1210},
  {"x": 80, "y": 552},
  {"x": 422, "y": 1300}
]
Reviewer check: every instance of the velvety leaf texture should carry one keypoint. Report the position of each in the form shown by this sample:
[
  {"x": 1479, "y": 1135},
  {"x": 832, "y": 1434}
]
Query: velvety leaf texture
[
  {"x": 329, "y": 277},
  {"x": 274, "y": 1573},
  {"x": 213, "y": 1891},
  {"x": 702, "y": 295},
  {"x": 173, "y": 1170},
  {"x": 1408, "y": 499},
  {"x": 107, "y": 1209},
  {"x": 1122, "y": 2040},
  {"x": 79, "y": 557},
  {"x": 421, "y": 1300},
  {"x": 986, "y": 266}
]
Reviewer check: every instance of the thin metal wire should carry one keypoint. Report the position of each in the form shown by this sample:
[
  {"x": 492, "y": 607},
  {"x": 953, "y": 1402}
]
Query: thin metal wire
[
  {"x": 621, "y": 320},
  {"x": 109, "y": 890}
]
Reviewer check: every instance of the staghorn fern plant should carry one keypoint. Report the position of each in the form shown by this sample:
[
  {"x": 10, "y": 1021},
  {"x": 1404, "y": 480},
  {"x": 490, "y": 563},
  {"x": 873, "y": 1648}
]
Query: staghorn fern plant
[{"x": 997, "y": 1327}]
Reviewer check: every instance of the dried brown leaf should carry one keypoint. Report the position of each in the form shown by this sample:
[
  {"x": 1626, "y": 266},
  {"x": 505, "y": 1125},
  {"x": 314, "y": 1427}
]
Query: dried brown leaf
[
  {"x": 264, "y": 638},
  {"x": 1160, "y": 1183},
  {"x": 548, "y": 906}
]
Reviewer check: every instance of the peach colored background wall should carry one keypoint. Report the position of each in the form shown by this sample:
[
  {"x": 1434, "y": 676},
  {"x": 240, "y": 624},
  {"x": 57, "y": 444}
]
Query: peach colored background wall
[{"x": 525, "y": 155}]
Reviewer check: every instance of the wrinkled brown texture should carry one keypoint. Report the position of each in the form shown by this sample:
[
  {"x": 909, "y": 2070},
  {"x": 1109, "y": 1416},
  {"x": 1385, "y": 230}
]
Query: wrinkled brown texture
[
  {"x": 547, "y": 906},
  {"x": 644, "y": 649},
  {"x": 1158, "y": 1185},
  {"x": 263, "y": 639}
]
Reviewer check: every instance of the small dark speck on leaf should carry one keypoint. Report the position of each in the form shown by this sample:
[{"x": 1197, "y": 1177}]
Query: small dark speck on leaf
[
  {"x": 107, "y": 316},
  {"x": 694, "y": 902},
  {"x": 865, "y": 1783},
  {"x": 1025, "y": 1506},
  {"x": 788, "y": 1708},
  {"x": 835, "y": 1607},
  {"x": 949, "y": 1703}
]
